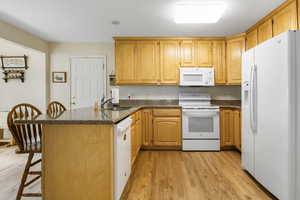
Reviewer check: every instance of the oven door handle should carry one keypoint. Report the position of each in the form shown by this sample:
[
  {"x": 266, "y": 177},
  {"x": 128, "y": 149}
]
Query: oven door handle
[{"x": 202, "y": 113}]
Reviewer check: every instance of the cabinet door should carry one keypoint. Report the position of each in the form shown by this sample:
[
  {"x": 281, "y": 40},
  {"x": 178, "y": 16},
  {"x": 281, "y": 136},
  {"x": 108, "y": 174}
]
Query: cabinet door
[
  {"x": 265, "y": 31},
  {"x": 237, "y": 128},
  {"x": 235, "y": 49},
  {"x": 219, "y": 62},
  {"x": 125, "y": 62},
  {"x": 169, "y": 62},
  {"x": 227, "y": 128},
  {"x": 133, "y": 143},
  {"x": 251, "y": 39},
  {"x": 147, "y": 127},
  {"x": 188, "y": 56},
  {"x": 139, "y": 134},
  {"x": 167, "y": 131},
  {"x": 147, "y": 68},
  {"x": 286, "y": 19},
  {"x": 204, "y": 53}
]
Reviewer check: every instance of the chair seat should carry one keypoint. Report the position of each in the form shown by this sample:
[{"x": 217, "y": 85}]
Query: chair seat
[{"x": 31, "y": 148}]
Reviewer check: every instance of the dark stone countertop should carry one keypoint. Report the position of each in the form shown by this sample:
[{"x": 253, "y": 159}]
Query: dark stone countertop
[
  {"x": 105, "y": 116},
  {"x": 227, "y": 103}
]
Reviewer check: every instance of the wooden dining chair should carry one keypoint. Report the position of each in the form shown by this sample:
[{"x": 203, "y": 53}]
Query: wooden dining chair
[
  {"x": 55, "y": 108},
  {"x": 28, "y": 138}
]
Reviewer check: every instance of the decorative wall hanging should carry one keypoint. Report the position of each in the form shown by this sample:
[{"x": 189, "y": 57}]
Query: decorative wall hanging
[
  {"x": 59, "y": 77},
  {"x": 14, "y": 67},
  {"x": 14, "y": 62}
]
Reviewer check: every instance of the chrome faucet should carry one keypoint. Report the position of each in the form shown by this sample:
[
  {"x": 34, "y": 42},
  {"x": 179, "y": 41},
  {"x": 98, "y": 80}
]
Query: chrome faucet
[{"x": 103, "y": 102}]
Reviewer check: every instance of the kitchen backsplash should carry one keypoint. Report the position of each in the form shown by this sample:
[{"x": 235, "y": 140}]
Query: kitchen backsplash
[{"x": 172, "y": 92}]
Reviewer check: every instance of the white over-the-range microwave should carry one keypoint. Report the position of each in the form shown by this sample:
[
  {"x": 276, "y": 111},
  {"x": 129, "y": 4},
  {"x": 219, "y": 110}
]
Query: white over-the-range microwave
[{"x": 195, "y": 76}]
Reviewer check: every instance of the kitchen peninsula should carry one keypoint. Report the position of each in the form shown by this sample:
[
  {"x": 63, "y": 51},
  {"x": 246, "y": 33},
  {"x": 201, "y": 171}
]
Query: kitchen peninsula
[{"x": 78, "y": 146}]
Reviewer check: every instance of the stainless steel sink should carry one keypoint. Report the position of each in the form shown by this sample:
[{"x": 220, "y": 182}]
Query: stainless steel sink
[{"x": 118, "y": 108}]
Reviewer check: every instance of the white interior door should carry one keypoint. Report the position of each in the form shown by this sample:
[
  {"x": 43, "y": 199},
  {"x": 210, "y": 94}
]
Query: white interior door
[
  {"x": 88, "y": 81},
  {"x": 272, "y": 137}
]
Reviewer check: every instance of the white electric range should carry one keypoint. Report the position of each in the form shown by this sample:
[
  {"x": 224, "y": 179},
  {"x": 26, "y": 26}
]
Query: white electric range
[{"x": 200, "y": 123}]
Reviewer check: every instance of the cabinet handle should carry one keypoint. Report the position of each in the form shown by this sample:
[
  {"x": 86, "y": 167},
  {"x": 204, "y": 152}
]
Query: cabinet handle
[{"x": 125, "y": 137}]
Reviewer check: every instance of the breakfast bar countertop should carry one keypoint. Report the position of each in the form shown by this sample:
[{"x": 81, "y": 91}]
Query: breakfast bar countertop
[{"x": 108, "y": 116}]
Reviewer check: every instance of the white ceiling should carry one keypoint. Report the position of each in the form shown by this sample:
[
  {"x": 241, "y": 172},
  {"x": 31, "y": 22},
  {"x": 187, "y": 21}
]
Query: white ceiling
[{"x": 90, "y": 20}]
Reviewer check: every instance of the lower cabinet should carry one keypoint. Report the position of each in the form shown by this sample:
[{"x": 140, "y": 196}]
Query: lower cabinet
[
  {"x": 230, "y": 128},
  {"x": 161, "y": 128},
  {"x": 147, "y": 127},
  {"x": 136, "y": 135},
  {"x": 166, "y": 131}
]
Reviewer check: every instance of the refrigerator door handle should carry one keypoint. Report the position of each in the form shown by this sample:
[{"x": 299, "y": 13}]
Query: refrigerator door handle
[
  {"x": 253, "y": 98},
  {"x": 250, "y": 98}
]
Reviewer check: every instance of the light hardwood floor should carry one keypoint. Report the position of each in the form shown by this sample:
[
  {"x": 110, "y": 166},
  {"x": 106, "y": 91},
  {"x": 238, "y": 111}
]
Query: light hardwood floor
[
  {"x": 11, "y": 170},
  {"x": 175, "y": 175},
  {"x": 161, "y": 175}
]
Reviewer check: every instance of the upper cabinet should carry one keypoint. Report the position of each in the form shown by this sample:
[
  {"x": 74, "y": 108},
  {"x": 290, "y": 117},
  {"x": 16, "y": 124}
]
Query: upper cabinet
[
  {"x": 265, "y": 31},
  {"x": 280, "y": 20},
  {"x": 147, "y": 68},
  {"x": 286, "y": 19},
  {"x": 251, "y": 39},
  {"x": 188, "y": 55},
  {"x": 125, "y": 62},
  {"x": 156, "y": 61},
  {"x": 169, "y": 62},
  {"x": 219, "y": 62},
  {"x": 204, "y": 53},
  {"x": 235, "y": 49}
]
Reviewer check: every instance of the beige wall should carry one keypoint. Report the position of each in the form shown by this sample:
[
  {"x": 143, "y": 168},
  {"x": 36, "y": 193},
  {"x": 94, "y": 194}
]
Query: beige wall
[
  {"x": 60, "y": 54},
  {"x": 27, "y": 40},
  {"x": 33, "y": 90},
  {"x": 21, "y": 37}
]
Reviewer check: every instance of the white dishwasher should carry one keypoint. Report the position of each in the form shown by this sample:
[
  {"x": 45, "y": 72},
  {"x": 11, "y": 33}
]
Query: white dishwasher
[{"x": 122, "y": 155}]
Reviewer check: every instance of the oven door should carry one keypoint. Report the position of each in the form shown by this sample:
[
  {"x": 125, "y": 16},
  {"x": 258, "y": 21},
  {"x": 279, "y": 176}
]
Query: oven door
[{"x": 200, "y": 124}]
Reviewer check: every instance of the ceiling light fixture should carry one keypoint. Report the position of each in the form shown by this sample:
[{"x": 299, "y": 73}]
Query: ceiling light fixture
[{"x": 198, "y": 12}]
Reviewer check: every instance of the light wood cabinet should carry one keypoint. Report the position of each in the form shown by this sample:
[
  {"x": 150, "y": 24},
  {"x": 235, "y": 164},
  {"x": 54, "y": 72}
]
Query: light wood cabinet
[
  {"x": 204, "y": 53},
  {"x": 227, "y": 128},
  {"x": 167, "y": 131},
  {"x": 219, "y": 62},
  {"x": 133, "y": 143},
  {"x": 230, "y": 128},
  {"x": 251, "y": 39},
  {"x": 286, "y": 19},
  {"x": 139, "y": 134},
  {"x": 188, "y": 54},
  {"x": 161, "y": 128},
  {"x": 235, "y": 49},
  {"x": 167, "y": 112},
  {"x": 147, "y": 128},
  {"x": 265, "y": 31},
  {"x": 125, "y": 62},
  {"x": 147, "y": 68},
  {"x": 237, "y": 129},
  {"x": 136, "y": 135},
  {"x": 169, "y": 62}
]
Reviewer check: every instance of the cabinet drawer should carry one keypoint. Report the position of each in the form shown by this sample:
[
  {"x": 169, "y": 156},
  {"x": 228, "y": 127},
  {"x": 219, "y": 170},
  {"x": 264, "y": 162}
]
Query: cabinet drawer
[{"x": 172, "y": 112}]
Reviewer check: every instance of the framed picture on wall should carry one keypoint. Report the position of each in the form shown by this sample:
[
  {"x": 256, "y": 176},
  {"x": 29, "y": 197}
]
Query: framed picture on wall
[
  {"x": 14, "y": 62},
  {"x": 59, "y": 77}
]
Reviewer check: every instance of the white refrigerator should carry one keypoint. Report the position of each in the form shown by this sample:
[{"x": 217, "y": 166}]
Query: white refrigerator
[{"x": 270, "y": 114}]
